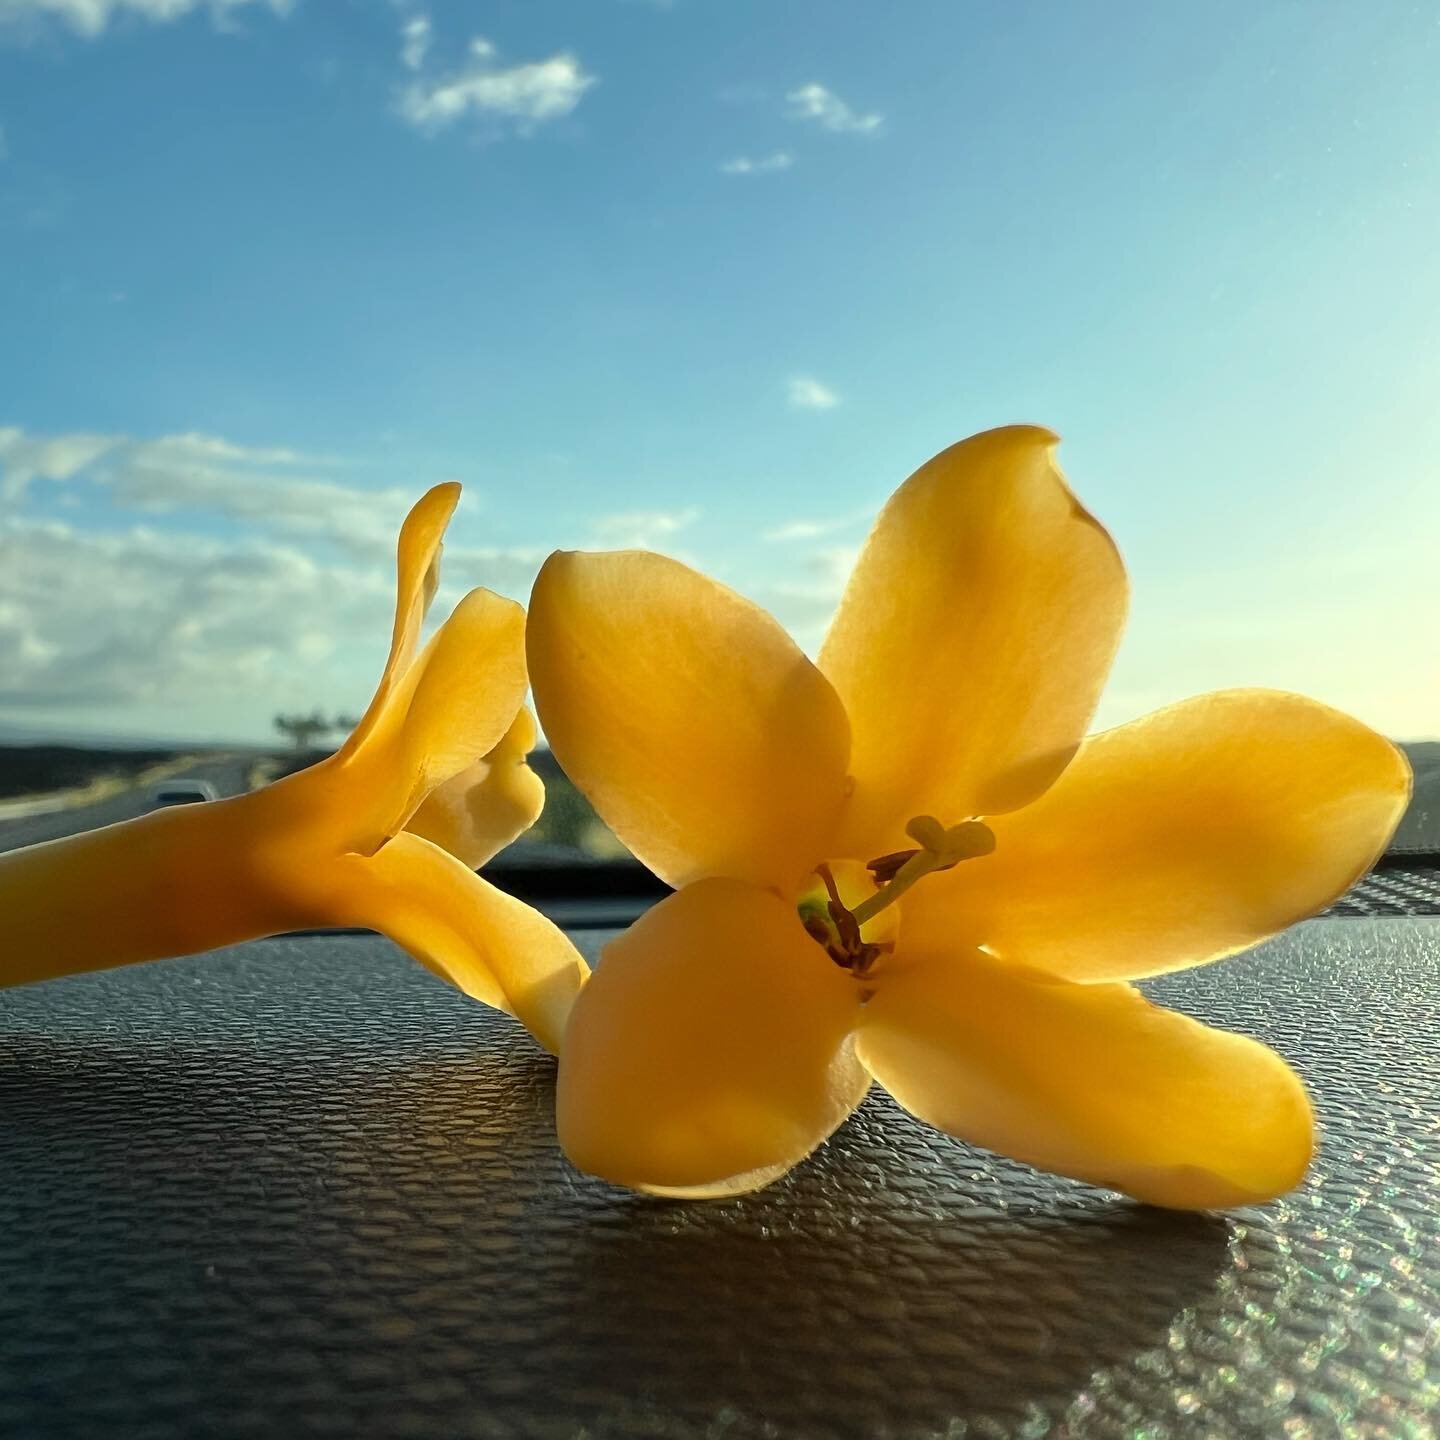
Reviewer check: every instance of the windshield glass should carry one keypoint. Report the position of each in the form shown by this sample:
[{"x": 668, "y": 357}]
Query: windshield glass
[{"x": 707, "y": 279}]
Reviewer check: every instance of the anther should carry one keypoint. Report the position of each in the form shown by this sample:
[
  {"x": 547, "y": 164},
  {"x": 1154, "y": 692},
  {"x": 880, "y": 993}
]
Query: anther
[{"x": 885, "y": 868}]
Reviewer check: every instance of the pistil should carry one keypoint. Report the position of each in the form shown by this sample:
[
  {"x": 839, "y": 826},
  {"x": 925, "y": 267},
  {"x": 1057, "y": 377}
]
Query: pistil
[{"x": 939, "y": 849}]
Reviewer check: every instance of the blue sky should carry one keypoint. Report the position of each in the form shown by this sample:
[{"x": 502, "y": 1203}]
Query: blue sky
[{"x": 712, "y": 276}]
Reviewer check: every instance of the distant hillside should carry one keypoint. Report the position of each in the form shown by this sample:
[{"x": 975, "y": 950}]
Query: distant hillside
[
  {"x": 40, "y": 769},
  {"x": 12, "y": 734}
]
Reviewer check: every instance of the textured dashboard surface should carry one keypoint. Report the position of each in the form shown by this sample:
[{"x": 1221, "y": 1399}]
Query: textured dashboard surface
[
  {"x": 1412, "y": 889},
  {"x": 301, "y": 1188}
]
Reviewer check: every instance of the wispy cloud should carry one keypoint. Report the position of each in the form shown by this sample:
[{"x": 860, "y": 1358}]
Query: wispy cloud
[
  {"x": 91, "y": 18},
  {"x": 28, "y": 457},
  {"x": 193, "y": 473},
  {"x": 200, "y": 632},
  {"x": 759, "y": 165},
  {"x": 822, "y": 107},
  {"x": 805, "y": 392},
  {"x": 830, "y": 568},
  {"x": 813, "y": 529},
  {"x": 182, "y": 616},
  {"x": 415, "y": 37},
  {"x": 186, "y": 622},
  {"x": 802, "y": 596},
  {"x": 525, "y": 95},
  {"x": 642, "y": 529}
]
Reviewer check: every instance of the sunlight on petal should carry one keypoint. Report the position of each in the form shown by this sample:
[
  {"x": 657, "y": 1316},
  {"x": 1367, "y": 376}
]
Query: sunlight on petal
[
  {"x": 1090, "y": 1081},
  {"x": 490, "y": 945},
  {"x": 478, "y": 812},
  {"x": 710, "y": 1050},
  {"x": 696, "y": 727},
  {"x": 973, "y": 638},
  {"x": 451, "y": 708},
  {"x": 1177, "y": 839}
]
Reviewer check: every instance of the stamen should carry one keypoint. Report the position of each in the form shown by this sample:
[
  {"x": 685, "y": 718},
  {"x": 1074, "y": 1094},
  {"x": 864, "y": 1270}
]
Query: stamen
[
  {"x": 817, "y": 929},
  {"x": 844, "y": 922},
  {"x": 885, "y": 868},
  {"x": 841, "y": 936}
]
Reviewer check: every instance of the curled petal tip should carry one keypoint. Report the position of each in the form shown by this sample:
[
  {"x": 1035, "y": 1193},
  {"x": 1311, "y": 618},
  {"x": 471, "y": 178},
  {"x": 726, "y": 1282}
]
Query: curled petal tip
[
  {"x": 1022, "y": 435},
  {"x": 446, "y": 490}
]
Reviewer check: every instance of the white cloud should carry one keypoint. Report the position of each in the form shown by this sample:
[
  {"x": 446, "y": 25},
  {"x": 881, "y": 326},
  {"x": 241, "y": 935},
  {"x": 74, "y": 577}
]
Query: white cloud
[
  {"x": 416, "y": 34},
  {"x": 641, "y": 529},
  {"x": 762, "y": 165},
  {"x": 796, "y": 530},
  {"x": 807, "y": 393},
  {"x": 173, "y": 631},
  {"x": 151, "y": 479},
  {"x": 802, "y": 530},
  {"x": 131, "y": 617},
  {"x": 803, "y": 595},
  {"x": 92, "y": 17},
  {"x": 193, "y": 472},
  {"x": 825, "y": 108},
  {"x": 831, "y": 566},
  {"x": 184, "y": 633},
  {"x": 24, "y": 458},
  {"x": 193, "y": 446},
  {"x": 813, "y": 529},
  {"x": 527, "y": 94}
]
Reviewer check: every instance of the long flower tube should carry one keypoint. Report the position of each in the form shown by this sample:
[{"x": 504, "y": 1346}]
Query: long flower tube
[{"x": 386, "y": 833}]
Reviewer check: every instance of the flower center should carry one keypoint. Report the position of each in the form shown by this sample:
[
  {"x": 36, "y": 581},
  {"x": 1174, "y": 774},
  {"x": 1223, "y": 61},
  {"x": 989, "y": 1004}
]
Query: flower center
[{"x": 841, "y": 916}]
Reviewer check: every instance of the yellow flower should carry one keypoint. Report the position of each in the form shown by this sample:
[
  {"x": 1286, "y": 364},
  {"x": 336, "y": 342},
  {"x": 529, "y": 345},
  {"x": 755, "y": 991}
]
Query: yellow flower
[
  {"x": 739, "y": 1022},
  {"x": 386, "y": 833}
]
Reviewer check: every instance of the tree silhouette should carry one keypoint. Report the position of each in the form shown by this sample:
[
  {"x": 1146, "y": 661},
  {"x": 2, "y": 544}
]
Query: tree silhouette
[{"x": 304, "y": 730}]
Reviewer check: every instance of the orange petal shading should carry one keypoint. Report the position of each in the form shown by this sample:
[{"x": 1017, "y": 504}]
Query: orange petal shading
[
  {"x": 697, "y": 728},
  {"x": 973, "y": 638},
  {"x": 1177, "y": 839},
  {"x": 490, "y": 945},
  {"x": 710, "y": 1050},
  {"x": 1090, "y": 1081}
]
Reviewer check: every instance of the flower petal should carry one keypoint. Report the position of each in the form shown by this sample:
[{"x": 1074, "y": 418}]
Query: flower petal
[
  {"x": 710, "y": 1050},
  {"x": 481, "y": 810},
  {"x": 417, "y": 575},
  {"x": 453, "y": 706},
  {"x": 694, "y": 724},
  {"x": 1179, "y": 838},
  {"x": 492, "y": 946},
  {"x": 1090, "y": 1081},
  {"x": 973, "y": 638}
]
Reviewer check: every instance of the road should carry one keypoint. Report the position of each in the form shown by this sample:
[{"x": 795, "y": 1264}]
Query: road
[{"x": 228, "y": 773}]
